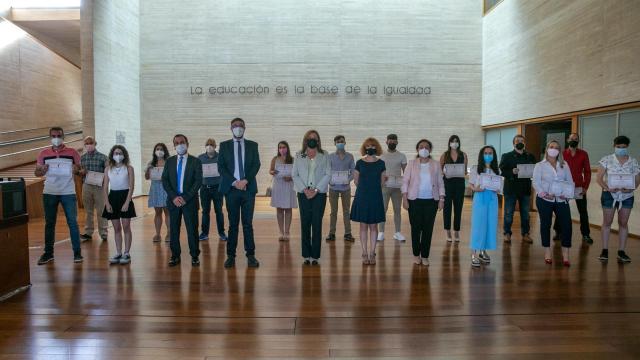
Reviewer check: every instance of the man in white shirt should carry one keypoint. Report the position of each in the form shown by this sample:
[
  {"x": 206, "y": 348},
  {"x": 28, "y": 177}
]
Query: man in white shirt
[{"x": 395, "y": 162}]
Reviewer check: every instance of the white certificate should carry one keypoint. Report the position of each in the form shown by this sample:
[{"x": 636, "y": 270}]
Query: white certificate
[
  {"x": 454, "y": 170},
  {"x": 525, "y": 171},
  {"x": 340, "y": 177},
  {"x": 393, "y": 182},
  {"x": 210, "y": 170},
  {"x": 59, "y": 168},
  {"x": 563, "y": 188},
  {"x": 156, "y": 173},
  {"x": 284, "y": 170},
  {"x": 621, "y": 181},
  {"x": 94, "y": 178},
  {"x": 491, "y": 182},
  {"x": 578, "y": 193}
]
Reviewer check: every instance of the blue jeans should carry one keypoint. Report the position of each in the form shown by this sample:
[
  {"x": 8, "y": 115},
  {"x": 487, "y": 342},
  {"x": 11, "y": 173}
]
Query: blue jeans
[
  {"x": 69, "y": 205},
  {"x": 209, "y": 193},
  {"x": 510, "y": 208}
]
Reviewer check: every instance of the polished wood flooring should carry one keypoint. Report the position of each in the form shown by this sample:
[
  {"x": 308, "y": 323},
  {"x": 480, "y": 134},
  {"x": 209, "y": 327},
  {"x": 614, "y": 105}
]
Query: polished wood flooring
[{"x": 517, "y": 307}]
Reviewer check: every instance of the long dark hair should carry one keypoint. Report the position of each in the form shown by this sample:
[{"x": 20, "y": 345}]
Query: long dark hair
[
  {"x": 125, "y": 161},
  {"x": 494, "y": 162},
  {"x": 447, "y": 154},
  {"x": 154, "y": 158},
  {"x": 288, "y": 159},
  {"x": 304, "y": 141}
]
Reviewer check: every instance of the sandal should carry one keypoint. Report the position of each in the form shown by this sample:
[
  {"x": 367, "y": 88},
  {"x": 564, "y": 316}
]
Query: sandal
[
  {"x": 372, "y": 259},
  {"x": 156, "y": 238},
  {"x": 365, "y": 259}
]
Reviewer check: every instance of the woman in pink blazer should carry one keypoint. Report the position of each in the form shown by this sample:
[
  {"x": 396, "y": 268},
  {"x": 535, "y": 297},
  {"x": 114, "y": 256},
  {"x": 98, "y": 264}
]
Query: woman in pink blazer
[{"x": 422, "y": 195}]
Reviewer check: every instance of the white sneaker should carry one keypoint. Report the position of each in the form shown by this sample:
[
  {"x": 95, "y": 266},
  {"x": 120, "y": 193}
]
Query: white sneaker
[
  {"x": 380, "y": 236},
  {"x": 398, "y": 236},
  {"x": 425, "y": 261}
]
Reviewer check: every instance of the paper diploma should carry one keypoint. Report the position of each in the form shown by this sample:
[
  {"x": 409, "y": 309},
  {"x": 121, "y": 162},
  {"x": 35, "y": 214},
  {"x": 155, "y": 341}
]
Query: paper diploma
[
  {"x": 454, "y": 170},
  {"x": 393, "y": 182},
  {"x": 563, "y": 188},
  {"x": 94, "y": 178},
  {"x": 284, "y": 170},
  {"x": 491, "y": 182},
  {"x": 340, "y": 177},
  {"x": 621, "y": 181},
  {"x": 57, "y": 168},
  {"x": 525, "y": 171},
  {"x": 210, "y": 170}
]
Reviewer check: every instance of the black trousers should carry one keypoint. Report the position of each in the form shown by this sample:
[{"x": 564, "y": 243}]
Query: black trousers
[
  {"x": 422, "y": 216},
  {"x": 208, "y": 194},
  {"x": 311, "y": 213},
  {"x": 240, "y": 203},
  {"x": 546, "y": 210},
  {"x": 454, "y": 188},
  {"x": 581, "y": 204},
  {"x": 190, "y": 213}
]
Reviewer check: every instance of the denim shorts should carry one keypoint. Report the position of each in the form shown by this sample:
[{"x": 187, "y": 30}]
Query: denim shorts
[{"x": 607, "y": 201}]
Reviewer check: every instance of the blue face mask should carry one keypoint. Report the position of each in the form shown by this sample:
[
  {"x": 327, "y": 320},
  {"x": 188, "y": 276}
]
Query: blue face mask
[
  {"x": 622, "y": 152},
  {"x": 340, "y": 146},
  {"x": 488, "y": 158}
]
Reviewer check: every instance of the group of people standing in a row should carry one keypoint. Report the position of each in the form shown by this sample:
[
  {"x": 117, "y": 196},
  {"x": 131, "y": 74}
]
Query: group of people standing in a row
[{"x": 183, "y": 183}]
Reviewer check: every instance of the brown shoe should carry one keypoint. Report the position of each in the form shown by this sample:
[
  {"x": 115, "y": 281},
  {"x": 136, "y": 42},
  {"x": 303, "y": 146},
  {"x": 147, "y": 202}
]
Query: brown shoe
[
  {"x": 507, "y": 238},
  {"x": 526, "y": 238}
]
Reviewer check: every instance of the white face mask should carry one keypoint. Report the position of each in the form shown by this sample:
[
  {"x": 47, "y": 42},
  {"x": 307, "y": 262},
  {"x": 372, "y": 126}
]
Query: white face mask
[
  {"x": 454, "y": 145},
  {"x": 423, "y": 153},
  {"x": 118, "y": 158},
  {"x": 238, "y": 131},
  {"x": 160, "y": 154},
  {"x": 210, "y": 149},
  {"x": 57, "y": 141},
  {"x": 553, "y": 152},
  {"x": 181, "y": 149}
]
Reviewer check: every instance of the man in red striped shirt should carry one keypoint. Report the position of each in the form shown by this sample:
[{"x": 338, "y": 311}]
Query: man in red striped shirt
[{"x": 578, "y": 161}]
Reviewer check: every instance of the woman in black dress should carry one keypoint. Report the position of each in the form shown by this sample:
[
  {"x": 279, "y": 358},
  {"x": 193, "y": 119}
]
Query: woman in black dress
[
  {"x": 368, "y": 207},
  {"x": 454, "y": 187}
]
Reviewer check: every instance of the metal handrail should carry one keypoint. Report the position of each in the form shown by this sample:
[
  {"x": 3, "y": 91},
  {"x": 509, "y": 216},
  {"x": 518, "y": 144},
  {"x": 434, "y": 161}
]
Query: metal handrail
[
  {"x": 38, "y": 128},
  {"x": 35, "y": 149},
  {"x": 34, "y": 139}
]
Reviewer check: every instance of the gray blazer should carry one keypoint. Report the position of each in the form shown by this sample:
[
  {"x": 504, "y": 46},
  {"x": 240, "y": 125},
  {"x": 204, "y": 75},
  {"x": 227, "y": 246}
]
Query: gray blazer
[{"x": 300, "y": 172}]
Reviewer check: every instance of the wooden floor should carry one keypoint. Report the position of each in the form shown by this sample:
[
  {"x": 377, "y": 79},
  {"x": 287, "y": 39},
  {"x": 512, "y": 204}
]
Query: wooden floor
[{"x": 517, "y": 307}]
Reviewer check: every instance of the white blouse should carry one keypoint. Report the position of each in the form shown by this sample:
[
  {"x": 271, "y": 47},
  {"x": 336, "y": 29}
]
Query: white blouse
[
  {"x": 425, "y": 190},
  {"x": 544, "y": 174},
  {"x": 611, "y": 165}
]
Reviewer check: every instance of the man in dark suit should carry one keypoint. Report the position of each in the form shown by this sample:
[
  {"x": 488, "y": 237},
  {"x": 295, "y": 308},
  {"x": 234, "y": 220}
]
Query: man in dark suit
[
  {"x": 238, "y": 164},
  {"x": 181, "y": 179}
]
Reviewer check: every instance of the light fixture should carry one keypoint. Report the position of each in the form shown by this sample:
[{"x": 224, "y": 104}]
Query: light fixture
[{"x": 44, "y": 4}]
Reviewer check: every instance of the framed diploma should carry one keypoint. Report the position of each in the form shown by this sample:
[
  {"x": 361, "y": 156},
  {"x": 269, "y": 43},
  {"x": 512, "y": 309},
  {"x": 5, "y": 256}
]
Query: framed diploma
[
  {"x": 491, "y": 182},
  {"x": 393, "y": 182},
  {"x": 284, "y": 170},
  {"x": 454, "y": 170},
  {"x": 525, "y": 171},
  {"x": 210, "y": 170},
  {"x": 340, "y": 177},
  {"x": 59, "y": 168},
  {"x": 563, "y": 188},
  {"x": 621, "y": 181},
  {"x": 156, "y": 173},
  {"x": 94, "y": 178}
]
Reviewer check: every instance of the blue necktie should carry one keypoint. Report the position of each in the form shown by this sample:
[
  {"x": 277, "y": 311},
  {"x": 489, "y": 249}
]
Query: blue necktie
[
  {"x": 179, "y": 175},
  {"x": 240, "y": 163}
]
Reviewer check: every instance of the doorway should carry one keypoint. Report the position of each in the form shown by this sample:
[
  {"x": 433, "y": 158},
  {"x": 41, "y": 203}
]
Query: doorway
[{"x": 539, "y": 134}]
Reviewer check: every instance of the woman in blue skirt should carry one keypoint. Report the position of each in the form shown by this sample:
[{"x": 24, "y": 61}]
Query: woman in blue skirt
[{"x": 484, "y": 213}]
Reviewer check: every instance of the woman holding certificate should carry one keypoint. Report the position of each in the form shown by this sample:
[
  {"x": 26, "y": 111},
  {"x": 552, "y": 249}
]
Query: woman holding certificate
[
  {"x": 454, "y": 166},
  {"x": 554, "y": 187},
  {"x": 484, "y": 213},
  {"x": 283, "y": 197},
  {"x": 311, "y": 175},
  {"x": 118, "y": 205},
  {"x": 423, "y": 195},
  {"x": 623, "y": 177},
  {"x": 157, "y": 196}
]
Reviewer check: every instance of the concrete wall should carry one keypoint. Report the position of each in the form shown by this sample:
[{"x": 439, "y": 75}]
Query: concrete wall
[{"x": 287, "y": 42}]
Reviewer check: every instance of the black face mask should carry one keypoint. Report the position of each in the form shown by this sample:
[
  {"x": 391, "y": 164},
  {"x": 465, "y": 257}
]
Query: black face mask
[
  {"x": 573, "y": 144},
  {"x": 312, "y": 143},
  {"x": 519, "y": 146},
  {"x": 392, "y": 146},
  {"x": 371, "y": 151}
]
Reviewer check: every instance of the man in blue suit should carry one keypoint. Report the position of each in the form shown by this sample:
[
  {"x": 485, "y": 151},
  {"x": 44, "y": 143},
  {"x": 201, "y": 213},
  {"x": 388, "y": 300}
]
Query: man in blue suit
[{"x": 238, "y": 164}]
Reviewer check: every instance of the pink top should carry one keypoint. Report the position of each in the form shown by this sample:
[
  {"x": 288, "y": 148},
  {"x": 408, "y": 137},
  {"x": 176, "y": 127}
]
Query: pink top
[{"x": 411, "y": 179}]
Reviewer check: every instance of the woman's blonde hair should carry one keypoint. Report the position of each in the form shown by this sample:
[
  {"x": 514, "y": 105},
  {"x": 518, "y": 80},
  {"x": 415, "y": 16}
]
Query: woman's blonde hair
[
  {"x": 369, "y": 142},
  {"x": 560, "y": 158}
]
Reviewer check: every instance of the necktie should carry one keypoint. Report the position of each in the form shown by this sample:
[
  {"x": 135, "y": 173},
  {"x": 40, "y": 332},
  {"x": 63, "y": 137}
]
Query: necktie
[
  {"x": 240, "y": 162},
  {"x": 179, "y": 175}
]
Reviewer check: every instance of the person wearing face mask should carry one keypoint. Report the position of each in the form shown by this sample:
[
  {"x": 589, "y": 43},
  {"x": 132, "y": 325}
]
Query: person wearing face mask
[
  {"x": 92, "y": 199},
  {"x": 484, "y": 213},
  {"x": 619, "y": 199},
  {"x": 59, "y": 163},
  {"x": 157, "y": 198},
  {"x": 578, "y": 162},
  {"x": 118, "y": 191},
  {"x": 238, "y": 164},
  {"x": 552, "y": 168},
  {"x": 283, "y": 197},
  {"x": 423, "y": 194},
  {"x": 311, "y": 175},
  {"x": 454, "y": 187},
  {"x": 210, "y": 192},
  {"x": 181, "y": 179},
  {"x": 395, "y": 162},
  {"x": 341, "y": 161},
  {"x": 516, "y": 189}
]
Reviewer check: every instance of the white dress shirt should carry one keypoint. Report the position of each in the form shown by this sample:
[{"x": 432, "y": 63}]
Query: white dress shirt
[
  {"x": 184, "y": 166},
  {"x": 544, "y": 174},
  {"x": 236, "y": 172}
]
